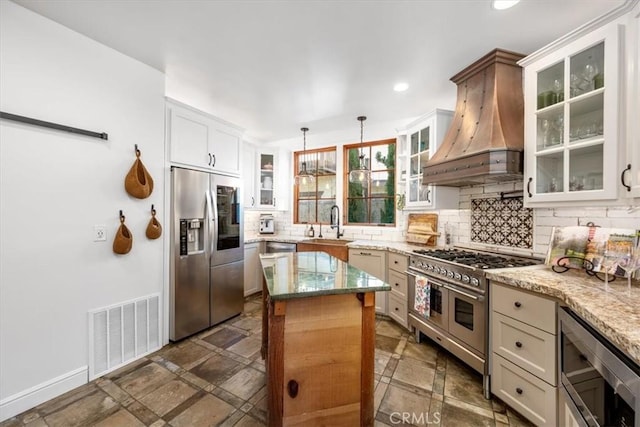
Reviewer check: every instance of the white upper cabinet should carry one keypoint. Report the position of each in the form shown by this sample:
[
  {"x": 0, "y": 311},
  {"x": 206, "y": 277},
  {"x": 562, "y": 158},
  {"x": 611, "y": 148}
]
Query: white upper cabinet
[
  {"x": 266, "y": 177},
  {"x": 630, "y": 175},
  {"x": 199, "y": 140},
  {"x": 576, "y": 118},
  {"x": 422, "y": 139}
]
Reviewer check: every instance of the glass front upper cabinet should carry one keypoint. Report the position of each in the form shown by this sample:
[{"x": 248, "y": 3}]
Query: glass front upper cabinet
[
  {"x": 419, "y": 153},
  {"x": 571, "y": 107}
]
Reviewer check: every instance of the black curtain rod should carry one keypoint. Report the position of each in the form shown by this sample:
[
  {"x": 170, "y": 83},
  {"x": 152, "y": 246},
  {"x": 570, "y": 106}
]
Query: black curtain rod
[{"x": 36, "y": 122}]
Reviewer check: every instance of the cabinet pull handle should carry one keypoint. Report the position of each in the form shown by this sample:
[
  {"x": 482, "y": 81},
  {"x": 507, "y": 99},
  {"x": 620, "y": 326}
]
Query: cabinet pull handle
[
  {"x": 529, "y": 187},
  {"x": 213, "y": 156},
  {"x": 517, "y": 304},
  {"x": 274, "y": 201},
  {"x": 209, "y": 154},
  {"x": 624, "y": 184},
  {"x": 253, "y": 201},
  {"x": 365, "y": 253},
  {"x": 518, "y": 390},
  {"x": 292, "y": 388},
  {"x": 518, "y": 344}
]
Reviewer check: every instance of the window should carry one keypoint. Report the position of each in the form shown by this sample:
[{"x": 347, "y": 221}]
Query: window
[
  {"x": 312, "y": 203},
  {"x": 372, "y": 202}
]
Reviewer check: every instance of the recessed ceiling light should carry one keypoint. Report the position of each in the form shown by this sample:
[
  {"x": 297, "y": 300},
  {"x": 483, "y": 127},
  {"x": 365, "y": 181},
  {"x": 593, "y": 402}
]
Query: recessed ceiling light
[
  {"x": 400, "y": 87},
  {"x": 504, "y": 4}
]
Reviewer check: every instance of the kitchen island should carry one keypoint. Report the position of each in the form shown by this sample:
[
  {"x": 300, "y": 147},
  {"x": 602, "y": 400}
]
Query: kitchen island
[{"x": 318, "y": 340}]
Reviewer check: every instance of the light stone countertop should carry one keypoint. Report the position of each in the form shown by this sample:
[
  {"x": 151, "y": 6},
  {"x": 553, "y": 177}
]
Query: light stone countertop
[{"x": 614, "y": 312}]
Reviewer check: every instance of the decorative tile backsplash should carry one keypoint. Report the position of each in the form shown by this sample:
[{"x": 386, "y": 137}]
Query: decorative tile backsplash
[{"x": 503, "y": 222}]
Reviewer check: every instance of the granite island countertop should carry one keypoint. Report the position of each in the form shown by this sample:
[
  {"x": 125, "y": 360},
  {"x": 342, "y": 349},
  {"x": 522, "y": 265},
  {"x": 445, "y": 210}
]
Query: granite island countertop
[
  {"x": 307, "y": 274},
  {"x": 614, "y": 311}
]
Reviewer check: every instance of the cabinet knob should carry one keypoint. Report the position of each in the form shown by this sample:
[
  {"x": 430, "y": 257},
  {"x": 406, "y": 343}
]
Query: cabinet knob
[
  {"x": 517, "y": 304},
  {"x": 519, "y": 390},
  {"x": 518, "y": 344},
  {"x": 292, "y": 388},
  {"x": 397, "y": 284},
  {"x": 396, "y": 309},
  {"x": 395, "y": 262}
]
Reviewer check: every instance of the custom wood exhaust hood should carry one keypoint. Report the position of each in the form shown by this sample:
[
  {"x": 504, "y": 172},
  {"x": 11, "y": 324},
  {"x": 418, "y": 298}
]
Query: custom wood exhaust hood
[{"x": 485, "y": 141}]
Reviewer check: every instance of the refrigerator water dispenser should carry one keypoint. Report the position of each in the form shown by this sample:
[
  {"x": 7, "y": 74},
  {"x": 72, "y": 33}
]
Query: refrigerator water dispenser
[{"x": 191, "y": 236}]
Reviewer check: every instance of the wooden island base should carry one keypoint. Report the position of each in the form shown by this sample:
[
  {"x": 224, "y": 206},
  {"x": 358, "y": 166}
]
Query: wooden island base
[{"x": 319, "y": 359}]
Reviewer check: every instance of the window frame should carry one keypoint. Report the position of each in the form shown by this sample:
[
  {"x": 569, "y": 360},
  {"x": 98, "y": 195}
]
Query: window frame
[
  {"x": 296, "y": 169},
  {"x": 345, "y": 182}
]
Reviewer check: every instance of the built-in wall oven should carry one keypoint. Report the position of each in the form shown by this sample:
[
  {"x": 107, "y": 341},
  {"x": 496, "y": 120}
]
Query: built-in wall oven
[
  {"x": 600, "y": 385},
  {"x": 457, "y": 317}
]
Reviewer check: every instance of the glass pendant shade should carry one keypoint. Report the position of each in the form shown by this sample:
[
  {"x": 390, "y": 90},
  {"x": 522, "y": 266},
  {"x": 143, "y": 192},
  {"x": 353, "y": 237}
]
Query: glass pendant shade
[
  {"x": 361, "y": 174},
  {"x": 304, "y": 178}
]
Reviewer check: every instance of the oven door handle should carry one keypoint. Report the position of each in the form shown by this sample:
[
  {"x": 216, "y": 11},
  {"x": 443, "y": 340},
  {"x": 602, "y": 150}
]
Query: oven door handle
[
  {"x": 411, "y": 274},
  {"x": 473, "y": 297}
]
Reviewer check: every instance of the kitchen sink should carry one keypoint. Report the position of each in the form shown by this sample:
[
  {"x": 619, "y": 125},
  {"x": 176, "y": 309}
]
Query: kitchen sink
[{"x": 334, "y": 247}]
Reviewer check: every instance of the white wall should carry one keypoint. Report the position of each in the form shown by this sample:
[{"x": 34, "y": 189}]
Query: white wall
[{"x": 55, "y": 186}]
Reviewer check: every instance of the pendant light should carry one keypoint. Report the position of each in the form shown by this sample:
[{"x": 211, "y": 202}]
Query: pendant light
[
  {"x": 361, "y": 174},
  {"x": 304, "y": 177}
]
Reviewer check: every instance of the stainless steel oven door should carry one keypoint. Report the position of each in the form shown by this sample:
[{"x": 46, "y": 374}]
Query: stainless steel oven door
[
  {"x": 467, "y": 317},
  {"x": 438, "y": 300}
]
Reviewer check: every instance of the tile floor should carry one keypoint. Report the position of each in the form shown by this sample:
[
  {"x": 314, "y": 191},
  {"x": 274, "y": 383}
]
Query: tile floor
[{"x": 216, "y": 378}]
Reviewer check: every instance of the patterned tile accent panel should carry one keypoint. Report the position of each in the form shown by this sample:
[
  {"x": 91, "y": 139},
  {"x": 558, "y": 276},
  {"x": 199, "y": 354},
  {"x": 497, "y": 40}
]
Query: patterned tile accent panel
[{"x": 504, "y": 222}]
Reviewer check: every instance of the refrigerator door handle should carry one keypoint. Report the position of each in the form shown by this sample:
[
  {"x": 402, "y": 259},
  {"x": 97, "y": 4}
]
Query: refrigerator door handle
[
  {"x": 210, "y": 220},
  {"x": 214, "y": 218}
]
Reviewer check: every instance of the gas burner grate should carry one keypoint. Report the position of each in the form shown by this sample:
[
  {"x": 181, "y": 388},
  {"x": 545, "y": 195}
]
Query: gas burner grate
[{"x": 476, "y": 260}]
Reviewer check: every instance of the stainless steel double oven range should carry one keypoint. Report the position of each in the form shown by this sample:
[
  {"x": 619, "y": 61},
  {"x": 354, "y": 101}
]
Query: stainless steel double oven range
[{"x": 458, "y": 295}]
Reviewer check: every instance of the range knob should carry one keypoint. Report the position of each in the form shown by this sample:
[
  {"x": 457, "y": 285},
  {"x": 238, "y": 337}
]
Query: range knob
[
  {"x": 431, "y": 267},
  {"x": 458, "y": 276},
  {"x": 450, "y": 275},
  {"x": 436, "y": 269},
  {"x": 475, "y": 282},
  {"x": 443, "y": 271},
  {"x": 465, "y": 278}
]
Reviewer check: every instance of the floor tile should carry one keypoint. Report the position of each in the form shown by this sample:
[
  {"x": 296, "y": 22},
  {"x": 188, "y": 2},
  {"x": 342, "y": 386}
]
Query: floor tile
[
  {"x": 245, "y": 383},
  {"x": 381, "y": 359},
  {"x": 466, "y": 390},
  {"x": 67, "y": 398},
  {"x": 248, "y": 347},
  {"x": 168, "y": 396},
  {"x": 248, "y": 421},
  {"x": 119, "y": 419},
  {"x": 423, "y": 352},
  {"x": 224, "y": 338},
  {"x": 387, "y": 344},
  {"x": 465, "y": 406},
  {"x": 217, "y": 369},
  {"x": 415, "y": 373},
  {"x": 247, "y": 323},
  {"x": 390, "y": 329},
  {"x": 86, "y": 411},
  {"x": 144, "y": 380},
  {"x": 141, "y": 412},
  {"x": 399, "y": 401},
  {"x": 455, "y": 413},
  {"x": 185, "y": 354},
  {"x": 208, "y": 411}
]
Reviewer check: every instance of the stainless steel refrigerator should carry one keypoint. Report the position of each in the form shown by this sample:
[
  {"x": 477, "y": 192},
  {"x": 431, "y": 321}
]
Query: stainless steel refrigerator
[{"x": 207, "y": 251}]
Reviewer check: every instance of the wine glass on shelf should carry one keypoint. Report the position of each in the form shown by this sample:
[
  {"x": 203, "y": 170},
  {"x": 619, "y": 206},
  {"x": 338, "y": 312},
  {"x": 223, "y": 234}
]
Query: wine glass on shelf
[{"x": 589, "y": 73}]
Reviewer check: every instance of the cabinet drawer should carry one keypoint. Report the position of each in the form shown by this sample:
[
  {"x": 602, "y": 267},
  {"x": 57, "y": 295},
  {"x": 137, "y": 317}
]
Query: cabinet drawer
[
  {"x": 398, "y": 262},
  {"x": 398, "y": 283},
  {"x": 528, "y": 347},
  {"x": 527, "y": 394},
  {"x": 398, "y": 308},
  {"x": 528, "y": 308}
]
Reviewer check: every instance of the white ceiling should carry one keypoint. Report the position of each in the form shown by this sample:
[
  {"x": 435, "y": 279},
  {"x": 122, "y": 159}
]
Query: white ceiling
[{"x": 274, "y": 66}]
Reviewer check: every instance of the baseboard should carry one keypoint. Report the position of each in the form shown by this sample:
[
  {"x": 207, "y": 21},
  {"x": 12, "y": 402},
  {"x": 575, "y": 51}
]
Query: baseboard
[{"x": 27, "y": 399}]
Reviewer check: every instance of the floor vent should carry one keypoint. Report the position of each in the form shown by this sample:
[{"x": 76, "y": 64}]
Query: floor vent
[{"x": 123, "y": 332}]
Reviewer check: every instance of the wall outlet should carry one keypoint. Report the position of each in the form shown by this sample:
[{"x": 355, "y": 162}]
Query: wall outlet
[{"x": 99, "y": 233}]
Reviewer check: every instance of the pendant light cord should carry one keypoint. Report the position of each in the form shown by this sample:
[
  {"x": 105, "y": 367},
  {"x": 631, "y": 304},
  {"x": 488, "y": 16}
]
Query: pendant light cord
[{"x": 362, "y": 119}]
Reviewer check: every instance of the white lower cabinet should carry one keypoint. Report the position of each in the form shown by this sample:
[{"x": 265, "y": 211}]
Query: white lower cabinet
[
  {"x": 397, "y": 279},
  {"x": 375, "y": 263},
  {"x": 566, "y": 409},
  {"x": 524, "y": 353},
  {"x": 252, "y": 269}
]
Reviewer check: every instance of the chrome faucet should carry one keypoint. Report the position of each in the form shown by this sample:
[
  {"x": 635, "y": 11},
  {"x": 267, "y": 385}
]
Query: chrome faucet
[{"x": 335, "y": 220}]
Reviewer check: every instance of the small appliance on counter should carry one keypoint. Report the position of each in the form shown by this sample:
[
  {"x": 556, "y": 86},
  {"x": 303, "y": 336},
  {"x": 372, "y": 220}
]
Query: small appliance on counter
[{"x": 267, "y": 224}]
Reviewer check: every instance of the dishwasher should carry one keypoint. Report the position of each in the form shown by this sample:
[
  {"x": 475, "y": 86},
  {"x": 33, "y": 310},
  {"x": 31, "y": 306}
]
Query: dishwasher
[{"x": 273, "y": 247}]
